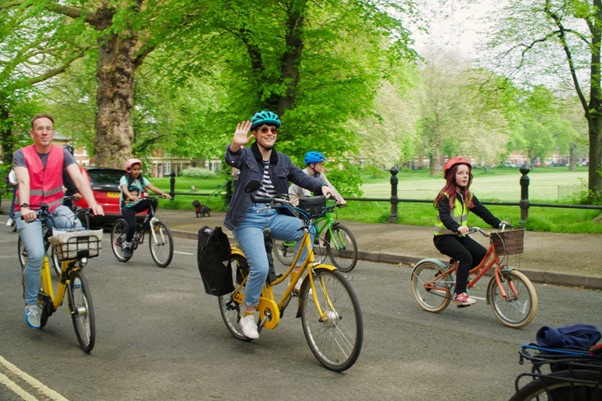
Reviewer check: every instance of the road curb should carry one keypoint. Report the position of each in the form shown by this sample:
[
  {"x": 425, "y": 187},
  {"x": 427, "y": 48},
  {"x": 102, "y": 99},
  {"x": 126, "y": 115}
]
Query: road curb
[{"x": 594, "y": 283}]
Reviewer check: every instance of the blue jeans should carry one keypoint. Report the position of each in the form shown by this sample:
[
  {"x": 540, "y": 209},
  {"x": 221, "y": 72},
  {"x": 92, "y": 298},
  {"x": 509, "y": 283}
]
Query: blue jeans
[
  {"x": 249, "y": 236},
  {"x": 33, "y": 242}
]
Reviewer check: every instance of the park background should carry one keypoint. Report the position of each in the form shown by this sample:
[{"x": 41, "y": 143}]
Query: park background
[{"x": 372, "y": 84}]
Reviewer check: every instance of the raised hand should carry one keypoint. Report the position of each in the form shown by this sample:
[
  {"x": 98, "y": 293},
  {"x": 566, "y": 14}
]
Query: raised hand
[{"x": 241, "y": 135}]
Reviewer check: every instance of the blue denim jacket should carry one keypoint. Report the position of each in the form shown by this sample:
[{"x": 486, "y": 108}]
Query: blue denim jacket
[{"x": 282, "y": 170}]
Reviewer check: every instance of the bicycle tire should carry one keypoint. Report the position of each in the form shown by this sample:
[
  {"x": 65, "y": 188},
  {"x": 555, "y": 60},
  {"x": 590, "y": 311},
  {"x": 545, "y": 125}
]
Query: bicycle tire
[
  {"x": 565, "y": 385},
  {"x": 284, "y": 251},
  {"x": 521, "y": 309},
  {"x": 54, "y": 261},
  {"x": 341, "y": 248},
  {"x": 160, "y": 244},
  {"x": 231, "y": 305},
  {"x": 81, "y": 309},
  {"x": 118, "y": 233},
  {"x": 431, "y": 300},
  {"x": 335, "y": 341}
]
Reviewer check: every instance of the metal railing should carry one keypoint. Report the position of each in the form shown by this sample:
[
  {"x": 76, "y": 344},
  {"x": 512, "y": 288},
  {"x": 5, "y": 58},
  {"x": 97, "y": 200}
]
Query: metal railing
[{"x": 394, "y": 200}]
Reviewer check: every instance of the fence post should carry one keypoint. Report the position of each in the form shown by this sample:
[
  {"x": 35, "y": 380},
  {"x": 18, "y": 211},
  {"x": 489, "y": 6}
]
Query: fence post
[
  {"x": 524, "y": 194},
  {"x": 394, "y": 179},
  {"x": 172, "y": 185}
]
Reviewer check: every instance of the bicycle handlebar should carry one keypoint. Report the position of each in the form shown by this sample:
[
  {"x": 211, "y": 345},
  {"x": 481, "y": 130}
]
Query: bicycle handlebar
[{"x": 475, "y": 229}]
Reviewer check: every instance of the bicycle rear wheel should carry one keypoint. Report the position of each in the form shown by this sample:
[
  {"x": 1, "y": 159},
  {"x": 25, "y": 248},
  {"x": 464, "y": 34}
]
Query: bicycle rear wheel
[
  {"x": 160, "y": 243},
  {"x": 118, "y": 232},
  {"x": 433, "y": 297},
  {"x": 566, "y": 385},
  {"x": 82, "y": 311},
  {"x": 231, "y": 305},
  {"x": 341, "y": 247},
  {"x": 284, "y": 251},
  {"x": 336, "y": 337},
  {"x": 519, "y": 309}
]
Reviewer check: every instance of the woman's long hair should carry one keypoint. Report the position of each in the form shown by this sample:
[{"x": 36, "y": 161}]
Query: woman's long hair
[{"x": 450, "y": 189}]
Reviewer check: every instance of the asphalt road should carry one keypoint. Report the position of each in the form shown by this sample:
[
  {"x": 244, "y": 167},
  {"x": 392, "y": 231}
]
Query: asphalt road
[{"x": 160, "y": 337}]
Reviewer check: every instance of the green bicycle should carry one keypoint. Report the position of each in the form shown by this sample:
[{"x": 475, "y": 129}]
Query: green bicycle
[{"x": 333, "y": 240}]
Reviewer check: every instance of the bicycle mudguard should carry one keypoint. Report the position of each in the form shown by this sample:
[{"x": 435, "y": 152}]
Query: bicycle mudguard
[
  {"x": 236, "y": 251},
  {"x": 439, "y": 263}
]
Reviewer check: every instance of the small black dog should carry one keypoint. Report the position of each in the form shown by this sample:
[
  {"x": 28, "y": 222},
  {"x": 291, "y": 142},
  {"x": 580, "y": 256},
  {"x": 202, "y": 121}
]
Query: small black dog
[{"x": 200, "y": 209}]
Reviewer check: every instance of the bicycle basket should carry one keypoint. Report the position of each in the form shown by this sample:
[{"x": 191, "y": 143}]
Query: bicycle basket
[
  {"x": 70, "y": 245},
  {"x": 313, "y": 205},
  {"x": 509, "y": 242}
]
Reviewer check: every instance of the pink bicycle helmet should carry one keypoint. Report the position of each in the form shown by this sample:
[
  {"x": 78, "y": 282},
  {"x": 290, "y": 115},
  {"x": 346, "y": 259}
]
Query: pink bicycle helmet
[{"x": 131, "y": 162}]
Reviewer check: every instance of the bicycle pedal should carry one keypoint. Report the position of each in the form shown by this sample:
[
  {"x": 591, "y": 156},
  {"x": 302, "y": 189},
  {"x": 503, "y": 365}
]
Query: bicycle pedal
[{"x": 462, "y": 306}]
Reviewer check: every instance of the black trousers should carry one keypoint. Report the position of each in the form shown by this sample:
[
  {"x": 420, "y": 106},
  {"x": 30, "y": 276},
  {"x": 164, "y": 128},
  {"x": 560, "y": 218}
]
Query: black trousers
[
  {"x": 466, "y": 250},
  {"x": 129, "y": 214}
]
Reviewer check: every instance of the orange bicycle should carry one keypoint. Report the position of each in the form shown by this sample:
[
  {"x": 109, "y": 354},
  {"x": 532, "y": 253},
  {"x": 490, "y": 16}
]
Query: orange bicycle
[{"x": 510, "y": 293}]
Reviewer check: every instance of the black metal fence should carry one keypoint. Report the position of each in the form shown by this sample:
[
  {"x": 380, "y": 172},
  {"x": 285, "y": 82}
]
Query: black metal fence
[{"x": 394, "y": 200}]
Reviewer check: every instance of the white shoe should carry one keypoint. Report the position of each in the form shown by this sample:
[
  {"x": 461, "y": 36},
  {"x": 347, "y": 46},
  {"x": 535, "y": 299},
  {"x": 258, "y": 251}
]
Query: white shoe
[
  {"x": 32, "y": 316},
  {"x": 10, "y": 222},
  {"x": 249, "y": 327}
]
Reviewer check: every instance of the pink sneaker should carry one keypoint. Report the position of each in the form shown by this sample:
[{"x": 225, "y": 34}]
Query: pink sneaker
[{"x": 463, "y": 299}]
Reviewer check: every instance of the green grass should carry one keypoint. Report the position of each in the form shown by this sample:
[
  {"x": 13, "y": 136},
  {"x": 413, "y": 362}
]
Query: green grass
[{"x": 547, "y": 185}]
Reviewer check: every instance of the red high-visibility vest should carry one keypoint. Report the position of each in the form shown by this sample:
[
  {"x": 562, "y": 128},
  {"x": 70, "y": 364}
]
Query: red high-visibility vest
[{"x": 45, "y": 183}]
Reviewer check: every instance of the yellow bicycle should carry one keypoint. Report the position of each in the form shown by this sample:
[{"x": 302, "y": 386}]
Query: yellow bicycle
[
  {"x": 73, "y": 248},
  {"x": 327, "y": 305}
]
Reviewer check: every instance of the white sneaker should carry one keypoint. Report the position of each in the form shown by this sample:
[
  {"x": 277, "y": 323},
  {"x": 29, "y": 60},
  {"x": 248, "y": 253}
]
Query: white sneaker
[
  {"x": 10, "y": 222},
  {"x": 32, "y": 316},
  {"x": 249, "y": 327}
]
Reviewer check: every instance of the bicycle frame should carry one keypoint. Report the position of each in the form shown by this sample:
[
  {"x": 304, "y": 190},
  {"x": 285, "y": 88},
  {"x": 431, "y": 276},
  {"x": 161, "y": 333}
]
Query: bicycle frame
[
  {"x": 47, "y": 286},
  {"x": 270, "y": 311},
  {"x": 490, "y": 259}
]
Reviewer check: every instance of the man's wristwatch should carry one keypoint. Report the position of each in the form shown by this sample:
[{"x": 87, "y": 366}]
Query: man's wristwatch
[{"x": 24, "y": 204}]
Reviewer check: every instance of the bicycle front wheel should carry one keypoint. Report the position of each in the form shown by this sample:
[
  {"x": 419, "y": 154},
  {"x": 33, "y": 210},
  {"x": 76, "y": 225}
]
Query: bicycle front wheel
[
  {"x": 431, "y": 295},
  {"x": 566, "y": 385},
  {"x": 118, "y": 232},
  {"x": 335, "y": 337},
  {"x": 82, "y": 311},
  {"x": 520, "y": 306},
  {"x": 160, "y": 242},
  {"x": 284, "y": 251},
  {"x": 231, "y": 305},
  {"x": 341, "y": 248}
]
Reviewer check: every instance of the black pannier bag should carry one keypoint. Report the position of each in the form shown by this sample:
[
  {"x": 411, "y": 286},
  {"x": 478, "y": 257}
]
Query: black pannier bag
[{"x": 213, "y": 250}]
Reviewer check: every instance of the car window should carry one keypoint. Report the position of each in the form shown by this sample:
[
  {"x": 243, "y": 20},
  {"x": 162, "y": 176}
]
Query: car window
[{"x": 100, "y": 177}]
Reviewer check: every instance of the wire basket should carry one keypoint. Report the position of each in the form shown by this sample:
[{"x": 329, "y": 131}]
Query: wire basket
[
  {"x": 70, "y": 245},
  {"x": 509, "y": 242}
]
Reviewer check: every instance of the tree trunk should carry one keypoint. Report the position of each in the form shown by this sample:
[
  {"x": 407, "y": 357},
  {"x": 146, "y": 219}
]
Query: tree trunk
[
  {"x": 595, "y": 153},
  {"x": 292, "y": 57},
  {"x": 114, "y": 99},
  {"x": 5, "y": 135}
]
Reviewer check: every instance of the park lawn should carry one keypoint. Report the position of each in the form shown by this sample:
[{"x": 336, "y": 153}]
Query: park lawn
[{"x": 546, "y": 185}]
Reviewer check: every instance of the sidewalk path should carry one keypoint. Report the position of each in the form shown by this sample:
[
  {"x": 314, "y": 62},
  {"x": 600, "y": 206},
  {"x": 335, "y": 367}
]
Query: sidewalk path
[{"x": 551, "y": 258}]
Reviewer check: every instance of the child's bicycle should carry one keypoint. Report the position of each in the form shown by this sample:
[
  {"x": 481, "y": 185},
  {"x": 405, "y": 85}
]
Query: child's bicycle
[
  {"x": 80, "y": 213},
  {"x": 327, "y": 305},
  {"x": 510, "y": 293},
  {"x": 337, "y": 242},
  {"x": 573, "y": 375},
  {"x": 160, "y": 240},
  {"x": 72, "y": 248}
]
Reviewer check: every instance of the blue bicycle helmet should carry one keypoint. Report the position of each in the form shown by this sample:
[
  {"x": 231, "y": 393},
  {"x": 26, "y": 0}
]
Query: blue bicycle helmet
[
  {"x": 314, "y": 157},
  {"x": 265, "y": 117}
]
